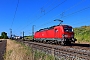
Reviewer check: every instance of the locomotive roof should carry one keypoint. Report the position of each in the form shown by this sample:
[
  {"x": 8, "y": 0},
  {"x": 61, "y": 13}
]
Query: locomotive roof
[{"x": 52, "y": 27}]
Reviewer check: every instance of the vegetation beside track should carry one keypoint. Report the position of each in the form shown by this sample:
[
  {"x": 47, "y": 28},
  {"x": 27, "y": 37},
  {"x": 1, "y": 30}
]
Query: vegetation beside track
[
  {"x": 28, "y": 37},
  {"x": 18, "y": 51},
  {"x": 82, "y": 34}
]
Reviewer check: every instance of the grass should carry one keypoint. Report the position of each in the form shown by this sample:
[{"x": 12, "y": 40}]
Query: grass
[
  {"x": 9, "y": 52},
  {"x": 18, "y": 51},
  {"x": 39, "y": 55},
  {"x": 43, "y": 56}
]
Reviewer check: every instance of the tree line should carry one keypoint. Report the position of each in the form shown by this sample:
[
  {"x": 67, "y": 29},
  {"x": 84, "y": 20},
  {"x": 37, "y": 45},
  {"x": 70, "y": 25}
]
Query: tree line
[{"x": 3, "y": 35}]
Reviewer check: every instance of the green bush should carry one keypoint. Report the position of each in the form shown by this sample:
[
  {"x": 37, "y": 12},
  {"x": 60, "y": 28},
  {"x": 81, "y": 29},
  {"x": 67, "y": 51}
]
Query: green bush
[
  {"x": 3, "y": 35},
  {"x": 82, "y": 33}
]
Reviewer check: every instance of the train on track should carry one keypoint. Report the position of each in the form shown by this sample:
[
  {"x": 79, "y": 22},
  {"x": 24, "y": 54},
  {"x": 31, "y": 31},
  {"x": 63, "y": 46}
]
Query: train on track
[{"x": 59, "y": 34}]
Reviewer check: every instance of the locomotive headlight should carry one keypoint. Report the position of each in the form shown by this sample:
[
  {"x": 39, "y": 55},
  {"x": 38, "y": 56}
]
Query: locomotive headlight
[
  {"x": 65, "y": 35},
  {"x": 72, "y": 30}
]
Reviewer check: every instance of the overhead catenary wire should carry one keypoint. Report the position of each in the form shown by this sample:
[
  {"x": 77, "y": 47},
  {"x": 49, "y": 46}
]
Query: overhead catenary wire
[
  {"x": 78, "y": 11},
  {"x": 15, "y": 14},
  {"x": 44, "y": 14},
  {"x": 33, "y": 14},
  {"x": 63, "y": 12},
  {"x": 51, "y": 4},
  {"x": 56, "y": 6},
  {"x": 42, "y": 10},
  {"x": 67, "y": 15}
]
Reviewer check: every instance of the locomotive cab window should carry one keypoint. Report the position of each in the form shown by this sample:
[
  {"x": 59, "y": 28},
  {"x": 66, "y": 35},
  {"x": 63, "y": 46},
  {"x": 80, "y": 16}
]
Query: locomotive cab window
[{"x": 68, "y": 29}]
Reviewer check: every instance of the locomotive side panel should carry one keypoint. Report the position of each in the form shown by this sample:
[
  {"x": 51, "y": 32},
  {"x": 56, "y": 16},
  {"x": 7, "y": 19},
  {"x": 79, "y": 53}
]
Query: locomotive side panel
[
  {"x": 58, "y": 31},
  {"x": 37, "y": 35},
  {"x": 50, "y": 33},
  {"x": 43, "y": 34}
]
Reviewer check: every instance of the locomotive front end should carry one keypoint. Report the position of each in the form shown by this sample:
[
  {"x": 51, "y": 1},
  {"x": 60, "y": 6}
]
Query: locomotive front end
[{"x": 68, "y": 34}]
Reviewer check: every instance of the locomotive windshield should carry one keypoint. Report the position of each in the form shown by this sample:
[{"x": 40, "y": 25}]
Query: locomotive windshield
[{"x": 68, "y": 29}]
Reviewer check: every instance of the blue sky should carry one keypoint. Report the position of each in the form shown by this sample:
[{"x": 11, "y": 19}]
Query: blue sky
[{"x": 41, "y": 14}]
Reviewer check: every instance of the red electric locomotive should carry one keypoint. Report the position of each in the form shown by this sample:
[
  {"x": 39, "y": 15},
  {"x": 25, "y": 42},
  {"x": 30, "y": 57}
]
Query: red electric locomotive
[{"x": 61, "y": 34}]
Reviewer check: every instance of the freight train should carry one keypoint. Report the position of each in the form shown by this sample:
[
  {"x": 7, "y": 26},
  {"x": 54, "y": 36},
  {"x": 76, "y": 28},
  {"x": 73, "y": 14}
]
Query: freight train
[{"x": 59, "y": 34}]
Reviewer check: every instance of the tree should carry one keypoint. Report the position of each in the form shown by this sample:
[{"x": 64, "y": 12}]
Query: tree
[{"x": 4, "y": 35}]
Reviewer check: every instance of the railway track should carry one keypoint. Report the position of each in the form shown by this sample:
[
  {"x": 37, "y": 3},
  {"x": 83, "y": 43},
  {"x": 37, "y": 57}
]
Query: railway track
[{"x": 65, "y": 52}]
